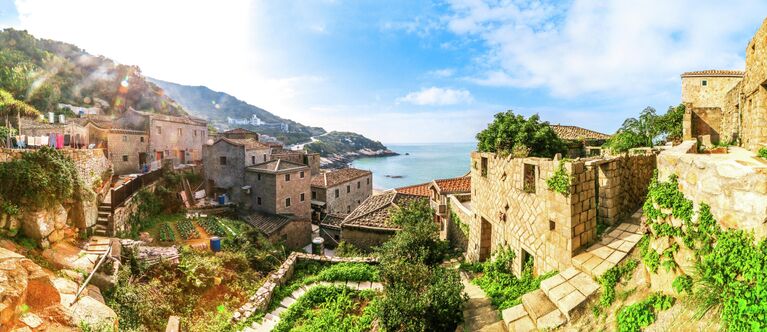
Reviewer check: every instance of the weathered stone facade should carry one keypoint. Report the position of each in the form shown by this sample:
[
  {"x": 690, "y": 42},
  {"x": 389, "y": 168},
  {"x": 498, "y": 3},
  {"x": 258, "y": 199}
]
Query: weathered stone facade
[
  {"x": 127, "y": 150},
  {"x": 733, "y": 184},
  {"x": 460, "y": 217},
  {"x": 339, "y": 192},
  {"x": 225, "y": 162},
  {"x": 730, "y": 105},
  {"x": 280, "y": 187},
  {"x": 514, "y": 208}
]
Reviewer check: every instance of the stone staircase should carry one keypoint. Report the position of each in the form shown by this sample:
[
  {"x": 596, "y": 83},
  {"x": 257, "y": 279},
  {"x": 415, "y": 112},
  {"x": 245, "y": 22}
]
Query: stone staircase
[
  {"x": 478, "y": 313},
  {"x": 102, "y": 222},
  {"x": 551, "y": 306},
  {"x": 271, "y": 319}
]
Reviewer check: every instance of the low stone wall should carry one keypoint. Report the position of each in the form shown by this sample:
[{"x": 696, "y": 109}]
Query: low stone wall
[
  {"x": 455, "y": 234},
  {"x": 733, "y": 184},
  {"x": 91, "y": 163},
  {"x": 121, "y": 215},
  {"x": 260, "y": 300},
  {"x": 366, "y": 238},
  {"x": 622, "y": 183}
]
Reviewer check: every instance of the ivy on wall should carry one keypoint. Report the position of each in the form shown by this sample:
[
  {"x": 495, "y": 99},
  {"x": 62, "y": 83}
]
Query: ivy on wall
[
  {"x": 457, "y": 220},
  {"x": 560, "y": 181}
]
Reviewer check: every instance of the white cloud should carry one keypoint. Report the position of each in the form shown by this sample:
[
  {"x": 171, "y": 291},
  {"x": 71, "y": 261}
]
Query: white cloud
[
  {"x": 437, "y": 96},
  {"x": 616, "y": 48},
  {"x": 441, "y": 73}
]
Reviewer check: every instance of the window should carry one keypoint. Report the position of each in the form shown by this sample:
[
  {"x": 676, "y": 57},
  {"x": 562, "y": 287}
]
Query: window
[
  {"x": 529, "y": 179},
  {"x": 368, "y": 181},
  {"x": 348, "y": 189},
  {"x": 302, "y": 197},
  {"x": 142, "y": 139},
  {"x": 195, "y": 132},
  {"x": 348, "y": 209},
  {"x": 125, "y": 138},
  {"x": 259, "y": 200},
  {"x": 125, "y": 158},
  {"x": 337, "y": 193},
  {"x": 259, "y": 177},
  {"x": 264, "y": 158},
  {"x": 159, "y": 130},
  {"x": 337, "y": 238},
  {"x": 359, "y": 184},
  {"x": 358, "y": 202},
  {"x": 483, "y": 167},
  {"x": 552, "y": 225},
  {"x": 287, "y": 177},
  {"x": 222, "y": 160},
  {"x": 302, "y": 174},
  {"x": 704, "y": 83},
  {"x": 287, "y": 202},
  {"x": 179, "y": 132},
  {"x": 252, "y": 160},
  {"x": 314, "y": 195}
]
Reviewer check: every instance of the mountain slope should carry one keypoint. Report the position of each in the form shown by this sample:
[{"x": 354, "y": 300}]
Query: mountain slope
[
  {"x": 45, "y": 73},
  {"x": 219, "y": 107}
]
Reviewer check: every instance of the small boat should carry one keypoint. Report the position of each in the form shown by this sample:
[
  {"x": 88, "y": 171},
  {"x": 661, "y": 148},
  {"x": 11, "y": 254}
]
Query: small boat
[{"x": 407, "y": 153}]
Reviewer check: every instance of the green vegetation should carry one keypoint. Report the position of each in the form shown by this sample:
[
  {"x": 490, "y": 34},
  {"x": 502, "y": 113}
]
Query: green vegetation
[
  {"x": 10, "y": 107},
  {"x": 682, "y": 284},
  {"x": 610, "y": 279},
  {"x": 638, "y": 315},
  {"x": 346, "y": 249},
  {"x": 520, "y": 137},
  {"x": 212, "y": 226},
  {"x": 337, "y": 142},
  {"x": 730, "y": 264},
  {"x": 499, "y": 283},
  {"x": 457, "y": 220},
  {"x": 560, "y": 181},
  {"x": 328, "y": 308},
  {"x": 187, "y": 230},
  {"x": 39, "y": 179},
  {"x": 762, "y": 153},
  {"x": 166, "y": 233},
  {"x": 648, "y": 129},
  {"x": 45, "y": 73},
  {"x": 410, "y": 266}
]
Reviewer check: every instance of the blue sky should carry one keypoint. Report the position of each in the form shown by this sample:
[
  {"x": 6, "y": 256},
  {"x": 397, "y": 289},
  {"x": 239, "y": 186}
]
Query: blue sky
[{"x": 414, "y": 71}]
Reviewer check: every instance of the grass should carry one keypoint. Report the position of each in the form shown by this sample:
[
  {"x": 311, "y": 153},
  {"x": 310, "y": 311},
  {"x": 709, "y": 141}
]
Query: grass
[{"x": 329, "y": 308}]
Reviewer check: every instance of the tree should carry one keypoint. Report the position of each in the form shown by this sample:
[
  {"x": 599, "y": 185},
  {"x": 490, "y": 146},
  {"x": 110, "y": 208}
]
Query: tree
[
  {"x": 9, "y": 106},
  {"x": 648, "y": 130},
  {"x": 513, "y": 134},
  {"x": 410, "y": 265},
  {"x": 671, "y": 123}
]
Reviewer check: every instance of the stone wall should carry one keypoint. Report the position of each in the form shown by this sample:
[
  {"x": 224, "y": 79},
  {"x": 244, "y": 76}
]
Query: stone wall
[
  {"x": 366, "y": 238},
  {"x": 533, "y": 221},
  {"x": 754, "y": 94},
  {"x": 121, "y": 215},
  {"x": 455, "y": 235},
  {"x": 295, "y": 235},
  {"x": 733, "y": 184},
  {"x": 260, "y": 300},
  {"x": 125, "y": 147},
  {"x": 622, "y": 183},
  {"x": 710, "y": 95}
]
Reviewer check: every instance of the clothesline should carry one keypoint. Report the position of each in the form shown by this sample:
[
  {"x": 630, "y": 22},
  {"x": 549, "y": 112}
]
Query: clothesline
[{"x": 54, "y": 140}]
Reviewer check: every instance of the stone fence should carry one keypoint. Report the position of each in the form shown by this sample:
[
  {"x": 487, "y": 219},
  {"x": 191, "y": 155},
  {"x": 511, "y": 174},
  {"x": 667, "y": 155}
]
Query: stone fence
[
  {"x": 734, "y": 184},
  {"x": 622, "y": 183},
  {"x": 263, "y": 296},
  {"x": 91, "y": 163},
  {"x": 458, "y": 230}
]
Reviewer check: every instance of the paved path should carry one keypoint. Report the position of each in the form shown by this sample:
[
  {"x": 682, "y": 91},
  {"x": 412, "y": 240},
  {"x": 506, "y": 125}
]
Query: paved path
[
  {"x": 271, "y": 319},
  {"x": 478, "y": 313}
]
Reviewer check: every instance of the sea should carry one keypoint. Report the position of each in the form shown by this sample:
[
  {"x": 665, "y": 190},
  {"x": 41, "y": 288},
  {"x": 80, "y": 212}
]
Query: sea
[{"x": 418, "y": 163}]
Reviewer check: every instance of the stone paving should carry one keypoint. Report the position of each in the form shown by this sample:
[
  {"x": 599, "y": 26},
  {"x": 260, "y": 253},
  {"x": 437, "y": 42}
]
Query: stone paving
[
  {"x": 479, "y": 313},
  {"x": 611, "y": 249},
  {"x": 273, "y": 318}
]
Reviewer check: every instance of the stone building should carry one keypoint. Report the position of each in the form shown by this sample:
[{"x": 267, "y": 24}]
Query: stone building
[
  {"x": 225, "y": 161},
  {"x": 370, "y": 225},
  {"x": 294, "y": 232},
  {"x": 339, "y": 192},
  {"x": 730, "y": 105},
  {"x": 75, "y": 135},
  {"x": 580, "y": 142},
  {"x": 300, "y": 157},
  {"x": 514, "y": 208},
  {"x": 280, "y": 187},
  {"x": 127, "y": 149}
]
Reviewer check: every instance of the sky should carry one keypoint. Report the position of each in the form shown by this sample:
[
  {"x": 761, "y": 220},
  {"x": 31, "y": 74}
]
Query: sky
[{"x": 404, "y": 71}]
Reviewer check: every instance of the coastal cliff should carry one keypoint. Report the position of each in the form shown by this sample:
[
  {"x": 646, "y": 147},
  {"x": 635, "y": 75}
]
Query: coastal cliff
[{"x": 338, "y": 149}]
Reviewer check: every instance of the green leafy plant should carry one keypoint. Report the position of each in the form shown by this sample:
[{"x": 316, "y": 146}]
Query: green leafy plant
[
  {"x": 762, "y": 153},
  {"x": 328, "y": 308},
  {"x": 636, "y": 316},
  {"x": 510, "y": 133},
  {"x": 682, "y": 284},
  {"x": 611, "y": 278},
  {"x": 560, "y": 182},
  {"x": 346, "y": 249}
]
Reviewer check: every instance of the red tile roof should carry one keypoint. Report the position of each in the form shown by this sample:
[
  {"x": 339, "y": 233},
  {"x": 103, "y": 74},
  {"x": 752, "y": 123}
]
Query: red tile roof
[
  {"x": 248, "y": 143},
  {"x": 714, "y": 73},
  {"x": 376, "y": 211},
  {"x": 334, "y": 178},
  {"x": 416, "y": 189},
  {"x": 454, "y": 185},
  {"x": 577, "y": 133}
]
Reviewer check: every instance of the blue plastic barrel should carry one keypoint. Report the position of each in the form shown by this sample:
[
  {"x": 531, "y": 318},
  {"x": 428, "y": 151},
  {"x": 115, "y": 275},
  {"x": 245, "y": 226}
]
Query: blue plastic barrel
[
  {"x": 215, "y": 244},
  {"x": 221, "y": 199}
]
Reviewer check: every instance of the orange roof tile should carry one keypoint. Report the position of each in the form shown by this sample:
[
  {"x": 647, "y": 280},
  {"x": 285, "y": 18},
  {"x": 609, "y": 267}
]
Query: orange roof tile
[
  {"x": 454, "y": 185},
  {"x": 714, "y": 73},
  {"x": 416, "y": 189},
  {"x": 577, "y": 133},
  {"x": 336, "y": 177}
]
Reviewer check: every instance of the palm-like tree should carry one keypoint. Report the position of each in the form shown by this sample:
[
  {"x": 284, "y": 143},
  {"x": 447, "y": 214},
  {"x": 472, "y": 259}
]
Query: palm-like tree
[{"x": 10, "y": 106}]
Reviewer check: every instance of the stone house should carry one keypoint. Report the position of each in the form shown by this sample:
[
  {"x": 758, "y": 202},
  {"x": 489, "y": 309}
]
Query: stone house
[
  {"x": 176, "y": 138},
  {"x": 127, "y": 149},
  {"x": 369, "y": 225},
  {"x": 280, "y": 187},
  {"x": 295, "y": 233},
  {"x": 730, "y": 105},
  {"x": 514, "y": 209},
  {"x": 224, "y": 164},
  {"x": 330, "y": 229},
  {"x": 339, "y": 192},
  {"x": 581, "y": 142},
  {"x": 300, "y": 157}
]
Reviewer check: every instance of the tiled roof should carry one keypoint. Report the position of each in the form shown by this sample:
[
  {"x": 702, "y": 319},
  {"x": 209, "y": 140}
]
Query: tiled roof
[
  {"x": 577, "y": 133},
  {"x": 248, "y": 143},
  {"x": 277, "y": 166},
  {"x": 267, "y": 223},
  {"x": 454, "y": 185},
  {"x": 171, "y": 118},
  {"x": 333, "y": 221},
  {"x": 416, "y": 189},
  {"x": 334, "y": 178},
  {"x": 714, "y": 72},
  {"x": 239, "y": 131},
  {"x": 376, "y": 211}
]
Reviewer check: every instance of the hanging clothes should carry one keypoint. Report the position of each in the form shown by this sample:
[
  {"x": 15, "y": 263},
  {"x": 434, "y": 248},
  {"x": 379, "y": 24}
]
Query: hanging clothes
[
  {"x": 59, "y": 141},
  {"x": 67, "y": 140},
  {"x": 42, "y": 141}
]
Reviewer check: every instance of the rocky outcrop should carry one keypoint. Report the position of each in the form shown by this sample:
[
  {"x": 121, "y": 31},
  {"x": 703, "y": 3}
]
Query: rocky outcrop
[
  {"x": 24, "y": 286},
  {"x": 335, "y": 161}
]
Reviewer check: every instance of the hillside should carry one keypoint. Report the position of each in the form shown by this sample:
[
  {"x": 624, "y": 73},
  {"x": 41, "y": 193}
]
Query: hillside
[
  {"x": 45, "y": 73},
  {"x": 340, "y": 148},
  {"x": 219, "y": 108}
]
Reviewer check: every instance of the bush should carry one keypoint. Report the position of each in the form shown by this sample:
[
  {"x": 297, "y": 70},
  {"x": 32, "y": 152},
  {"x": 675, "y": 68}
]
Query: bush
[
  {"x": 329, "y": 308},
  {"x": 560, "y": 181},
  {"x": 682, "y": 283},
  {"x": 762, "y": 153},
  {"x": 513, "y": 134},
  {"x": 610, "y": 279},
  {"x": 501, "y": 285},
  {"x": 418, "y": 241},
  {"x": 346, "y": 249},
  {"x": 636, "y": 316}
]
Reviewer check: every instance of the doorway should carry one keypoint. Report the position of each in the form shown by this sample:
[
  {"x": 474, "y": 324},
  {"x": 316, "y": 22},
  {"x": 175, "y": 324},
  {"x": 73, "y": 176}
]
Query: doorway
[
  {"x": 528, "y": 263},
  {"x": 485, "y": 239}
]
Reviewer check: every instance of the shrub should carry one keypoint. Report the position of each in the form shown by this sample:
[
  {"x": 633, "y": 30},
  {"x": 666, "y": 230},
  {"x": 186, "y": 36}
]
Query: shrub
[
  {"x": 329, "y": 308},
  {"x": 762, "y": 153},
  {"x": 560, "y": 181},
  {"x": 513, "y": 134},
  {"x": 636, "y": 316},
  {"x": 682, "y": 283},
  {"x": 611, "y": 278},
  {"x": 418, "y": 241},
  {"x": 501, "y": 285},
  {"x": 346, "y": 249}
]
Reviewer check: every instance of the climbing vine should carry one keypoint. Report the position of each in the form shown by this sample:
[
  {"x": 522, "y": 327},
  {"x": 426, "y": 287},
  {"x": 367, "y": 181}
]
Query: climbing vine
[
  {"x": 610, "y": 279},
  {"x": 730, "y": 265},
  {"x": 560, "y": 182},
  {"x": 457, "y": 220}
]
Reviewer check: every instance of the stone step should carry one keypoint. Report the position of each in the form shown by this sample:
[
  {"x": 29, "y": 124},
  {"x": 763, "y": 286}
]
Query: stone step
[
  {"x": 498, "y": 326},
  {"x": 100, "y": 230},
  {"x": 105, "y": 214},
  {"x": 474, "y": 303},
  {"x": 542, "y": 311},
  {"x": 102, "y": 221},
  {"x": 479, "y": 311},
  {"x": 476, "y": 319},
  {"x": 286, "y": 302}
]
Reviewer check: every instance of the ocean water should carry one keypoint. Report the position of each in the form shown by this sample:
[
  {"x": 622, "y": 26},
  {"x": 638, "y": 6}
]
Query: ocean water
[{"x": 424, "y": 163}]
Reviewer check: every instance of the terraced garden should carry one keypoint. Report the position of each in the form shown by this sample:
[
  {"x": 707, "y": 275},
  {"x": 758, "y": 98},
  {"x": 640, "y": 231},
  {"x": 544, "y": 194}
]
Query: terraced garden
[{"x": 178, "y": 228}]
